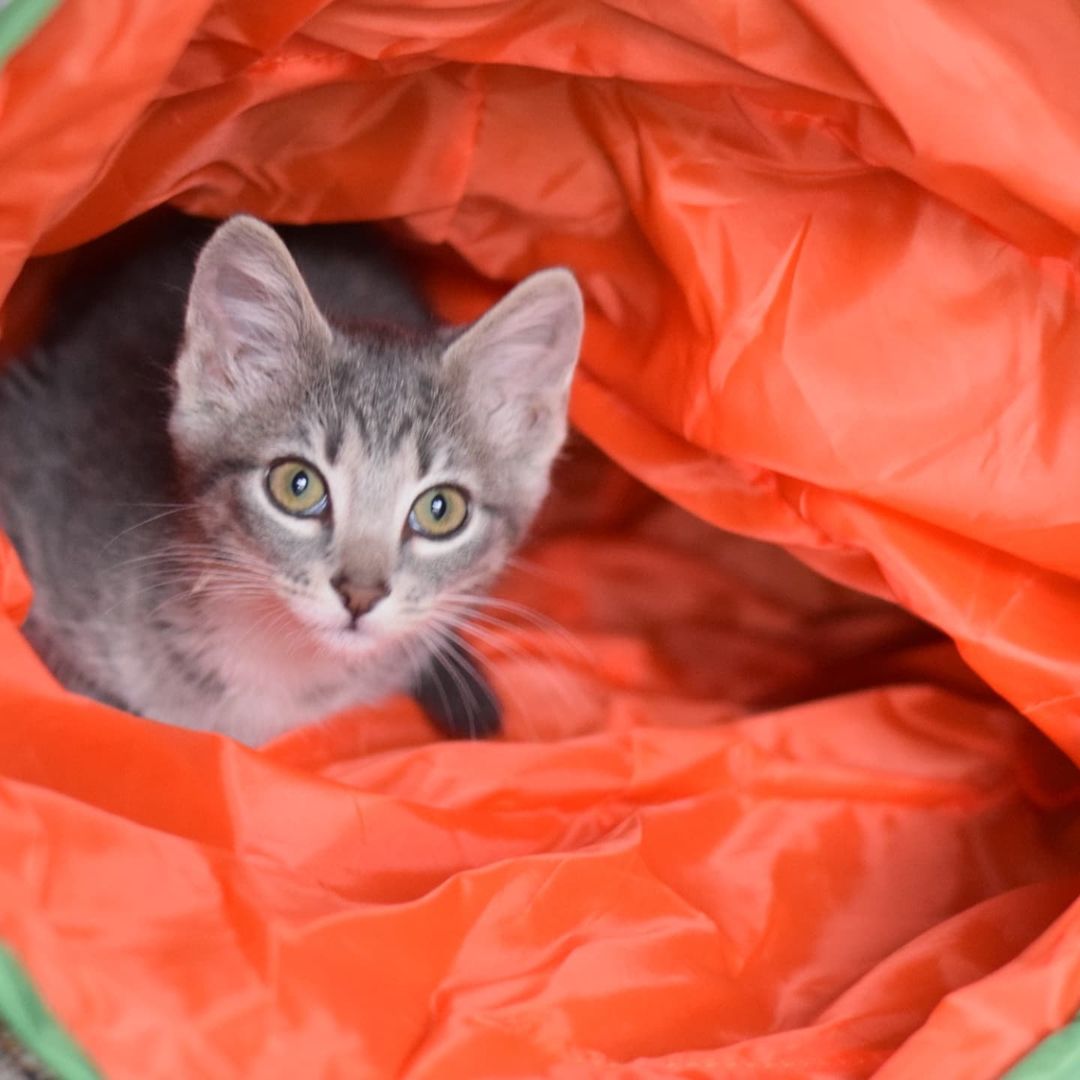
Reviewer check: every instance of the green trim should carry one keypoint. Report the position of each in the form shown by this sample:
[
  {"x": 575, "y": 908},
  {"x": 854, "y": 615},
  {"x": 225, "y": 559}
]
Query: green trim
[
  {"x": 18, "y": 20},
  {"x": 23, "y": 1013},
  {"x": 1057, "y": 1057}
]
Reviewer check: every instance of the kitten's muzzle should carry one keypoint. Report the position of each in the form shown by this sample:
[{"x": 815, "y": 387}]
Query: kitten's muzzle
[{"x": 358, "y": 599}]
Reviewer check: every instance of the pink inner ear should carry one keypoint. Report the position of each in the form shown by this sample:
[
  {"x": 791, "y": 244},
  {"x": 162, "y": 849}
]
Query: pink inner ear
[
  {"x": 530, "y": 339},
  {"x": 254, "y": 315},
  {"x": 248, "y": 298}
]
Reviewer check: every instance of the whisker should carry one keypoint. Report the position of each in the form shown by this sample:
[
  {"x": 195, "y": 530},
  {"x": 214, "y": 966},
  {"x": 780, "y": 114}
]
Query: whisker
[
  {"x": 472, "y": 610},
  {"x": 453, "y": 655},
  {"x": 534, "y": 569},
  {"x": 482, "y": 661},
  {"x": 508, "y": 647},
  {"x": 141, "y": 524},
  {"x": 433, "y": 649}
]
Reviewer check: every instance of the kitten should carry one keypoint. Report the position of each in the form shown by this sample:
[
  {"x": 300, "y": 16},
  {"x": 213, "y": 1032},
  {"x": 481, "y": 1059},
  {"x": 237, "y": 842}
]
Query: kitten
[{"x": 259, "y": 489}]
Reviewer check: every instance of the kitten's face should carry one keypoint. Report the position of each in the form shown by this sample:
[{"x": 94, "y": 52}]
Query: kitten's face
[
  {"x": 371, "y": 482},
  {"x": 342, "y": 498}
]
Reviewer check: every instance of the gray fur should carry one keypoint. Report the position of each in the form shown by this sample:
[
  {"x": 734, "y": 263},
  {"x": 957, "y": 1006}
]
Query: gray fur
[{"x": 134, "y": 446}]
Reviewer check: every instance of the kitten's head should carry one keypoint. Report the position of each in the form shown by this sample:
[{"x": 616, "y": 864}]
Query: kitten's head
[{"x": 366, "y": 477}]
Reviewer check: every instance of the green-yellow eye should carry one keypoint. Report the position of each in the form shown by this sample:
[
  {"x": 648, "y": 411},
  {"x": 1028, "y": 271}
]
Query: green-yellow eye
[
  {"x": 297, "y": 487},
  {"x": 440, "y": 512}
]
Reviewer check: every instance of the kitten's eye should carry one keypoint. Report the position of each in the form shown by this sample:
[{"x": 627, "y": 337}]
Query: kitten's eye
[
  {"x": 297, "y": 487},
  {"x": 439, "y": 512}
]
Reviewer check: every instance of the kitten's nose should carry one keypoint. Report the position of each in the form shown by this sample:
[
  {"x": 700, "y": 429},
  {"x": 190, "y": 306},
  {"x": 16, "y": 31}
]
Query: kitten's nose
[{"x": 359, "y": 599}]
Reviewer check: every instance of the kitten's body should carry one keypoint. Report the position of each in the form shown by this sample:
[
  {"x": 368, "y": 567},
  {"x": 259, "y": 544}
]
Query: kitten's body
[{"x": 163, "y": 584}]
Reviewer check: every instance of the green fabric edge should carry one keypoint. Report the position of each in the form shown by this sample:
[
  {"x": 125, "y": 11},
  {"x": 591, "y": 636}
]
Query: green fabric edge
[
  {"x": 18, "y": 20},
  {"x": 24, "y": 1014},
  {"x": 1057, "y": 1057}
]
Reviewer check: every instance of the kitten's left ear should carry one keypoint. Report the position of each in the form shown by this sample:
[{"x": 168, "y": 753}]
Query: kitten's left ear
[
  {"x": 249, "y": 314},
  {"x": 517, "y": 362}
]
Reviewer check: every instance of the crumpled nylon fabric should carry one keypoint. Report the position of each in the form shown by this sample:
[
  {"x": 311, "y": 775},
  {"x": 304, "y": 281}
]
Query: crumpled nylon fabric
[{"x": 744, "y": 822}]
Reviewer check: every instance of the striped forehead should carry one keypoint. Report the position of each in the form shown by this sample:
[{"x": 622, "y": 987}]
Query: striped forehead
[{"x": 387, "y": 407}]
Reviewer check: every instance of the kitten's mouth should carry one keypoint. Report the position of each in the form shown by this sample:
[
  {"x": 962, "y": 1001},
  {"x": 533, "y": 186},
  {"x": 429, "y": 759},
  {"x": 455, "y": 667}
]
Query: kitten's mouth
[
  {"x": 352, "y": 636},
  {"x": 362, "y": 637}
]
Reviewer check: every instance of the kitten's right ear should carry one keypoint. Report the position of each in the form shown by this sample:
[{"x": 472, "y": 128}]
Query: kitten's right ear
[
  {"x": 249, "y": 314},
  {"x": 517, "y": 362}
]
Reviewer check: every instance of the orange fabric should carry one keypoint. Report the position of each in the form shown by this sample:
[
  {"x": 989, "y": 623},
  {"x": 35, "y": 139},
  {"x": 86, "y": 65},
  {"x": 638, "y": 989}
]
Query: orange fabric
[{"x": 743, "y": 823}]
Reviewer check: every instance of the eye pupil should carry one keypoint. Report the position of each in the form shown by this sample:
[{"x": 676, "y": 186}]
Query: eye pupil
[
  {"x": 438, "y": 507},
  {"x": 300, "y": 483}
]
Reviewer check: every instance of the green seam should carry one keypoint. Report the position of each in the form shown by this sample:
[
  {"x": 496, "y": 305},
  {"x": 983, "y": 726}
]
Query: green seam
[
  {"x": 18, "y": 20},
  {"x": 32, "y": 1024},
  {"x": 1057, "y": 1057}
]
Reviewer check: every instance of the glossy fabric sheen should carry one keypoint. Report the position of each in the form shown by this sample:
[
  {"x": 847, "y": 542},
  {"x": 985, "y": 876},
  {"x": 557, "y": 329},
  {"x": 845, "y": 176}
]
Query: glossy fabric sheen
[{"x": 744, "y": 823}]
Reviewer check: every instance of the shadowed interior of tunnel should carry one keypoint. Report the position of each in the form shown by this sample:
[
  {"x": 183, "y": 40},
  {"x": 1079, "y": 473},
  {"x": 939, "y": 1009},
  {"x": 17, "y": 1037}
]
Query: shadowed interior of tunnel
[{"x": 713, "y": 615}]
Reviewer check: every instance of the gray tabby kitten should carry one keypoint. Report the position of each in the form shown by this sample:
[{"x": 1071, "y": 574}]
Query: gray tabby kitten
[{"x": 264, "y": 488}]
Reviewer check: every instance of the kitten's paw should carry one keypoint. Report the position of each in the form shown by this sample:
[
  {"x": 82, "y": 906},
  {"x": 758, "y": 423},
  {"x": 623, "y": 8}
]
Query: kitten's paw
[{"x": 458, "y": 699}]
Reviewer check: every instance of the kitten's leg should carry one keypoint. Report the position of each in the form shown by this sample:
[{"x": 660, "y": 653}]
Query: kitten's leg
[{"x": 457, "y": 697}]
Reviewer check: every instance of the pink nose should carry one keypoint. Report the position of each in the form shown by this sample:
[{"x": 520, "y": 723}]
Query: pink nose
[{"x": 359, "y": 599}]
